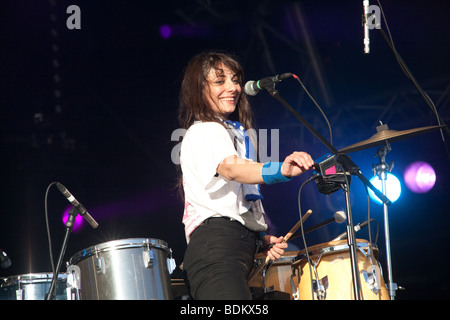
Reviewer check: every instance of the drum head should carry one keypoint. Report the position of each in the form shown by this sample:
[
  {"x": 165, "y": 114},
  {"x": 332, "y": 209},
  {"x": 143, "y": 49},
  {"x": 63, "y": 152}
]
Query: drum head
[
  {"x": 331, "y": 247},
  {"x": 30, "y": 278}
]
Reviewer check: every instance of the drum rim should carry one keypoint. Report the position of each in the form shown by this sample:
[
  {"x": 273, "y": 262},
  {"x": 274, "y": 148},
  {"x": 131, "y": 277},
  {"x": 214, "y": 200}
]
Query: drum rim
[
  {"x": 287, "y": 257},
  {"x": 330, "y": 249},
  {"x": 117, "y": 245},
  {"x": 29, "y": 278}
]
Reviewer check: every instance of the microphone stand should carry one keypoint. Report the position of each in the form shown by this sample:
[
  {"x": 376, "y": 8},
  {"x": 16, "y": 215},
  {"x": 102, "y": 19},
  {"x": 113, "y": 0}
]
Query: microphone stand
[
  {"x": 349, "y": 166},
  {"x": 73, "y": 212}
]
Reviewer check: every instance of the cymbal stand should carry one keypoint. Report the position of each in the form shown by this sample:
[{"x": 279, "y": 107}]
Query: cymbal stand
[{"x": 381, "y": 169}]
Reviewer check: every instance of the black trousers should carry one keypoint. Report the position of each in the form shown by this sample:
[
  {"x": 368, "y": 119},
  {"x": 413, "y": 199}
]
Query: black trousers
[{"x": 218, "y": 259}]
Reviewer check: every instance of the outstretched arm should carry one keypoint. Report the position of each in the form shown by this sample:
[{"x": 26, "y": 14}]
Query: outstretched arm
[{"x": 249, "y": 172}]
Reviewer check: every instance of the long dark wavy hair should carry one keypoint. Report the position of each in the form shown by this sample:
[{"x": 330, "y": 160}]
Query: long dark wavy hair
[
  {"x": 192, "y": 101},
  {"x": 193, "y": 104}
]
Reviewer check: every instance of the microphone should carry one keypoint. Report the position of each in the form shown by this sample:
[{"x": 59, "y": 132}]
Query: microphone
[
  {"x": 366, "y": 27},
  {"x": 338, "y": 217},
  {"x": 5, "y": 261},
  {"x": 253, "y": 87},
  {"x": 358, "y": 227},
  {"x": 82, "y": 210}
]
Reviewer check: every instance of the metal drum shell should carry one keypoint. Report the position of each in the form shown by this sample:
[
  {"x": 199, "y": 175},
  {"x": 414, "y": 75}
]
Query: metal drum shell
[
  {"x": 32, "y": 286},
  {"x": 126, "y": 269}
]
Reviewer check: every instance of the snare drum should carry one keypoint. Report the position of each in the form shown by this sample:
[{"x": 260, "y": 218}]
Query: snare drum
[
  {"x": 128, "y": 269},
  {"x": 32, "y": 286},
  {"x": 332, "y": 273}
]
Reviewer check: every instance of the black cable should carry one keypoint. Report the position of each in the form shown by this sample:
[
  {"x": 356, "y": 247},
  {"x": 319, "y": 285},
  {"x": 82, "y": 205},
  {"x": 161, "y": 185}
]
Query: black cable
[
  {"x": 48, "y": 228},
  {"x": 317, "y": 105},
  {"x": 370, "y": 220},
  {"x": 410, "y": 76},
  {"x": 303, "y": 234}
]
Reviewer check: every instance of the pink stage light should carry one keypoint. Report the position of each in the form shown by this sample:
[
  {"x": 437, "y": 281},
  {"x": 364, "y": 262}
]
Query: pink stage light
[
  {"x": 420, "y": 177},
  {"x": 78, "y": 220}
]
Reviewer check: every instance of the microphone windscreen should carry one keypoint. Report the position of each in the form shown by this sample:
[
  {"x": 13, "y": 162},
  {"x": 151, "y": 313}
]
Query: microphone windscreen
[
  {"x": 340, "y": 216},
  {"x": 248, "y": 88}
]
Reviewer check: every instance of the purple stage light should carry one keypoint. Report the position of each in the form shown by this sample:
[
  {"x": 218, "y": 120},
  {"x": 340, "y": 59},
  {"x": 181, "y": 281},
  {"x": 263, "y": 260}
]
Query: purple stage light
[
  {"x": 165, "y": 31},
  {"x": 199, "y": 30},
  {"x": 420, "y": 177},
  {"x": 78, "y": 220}
]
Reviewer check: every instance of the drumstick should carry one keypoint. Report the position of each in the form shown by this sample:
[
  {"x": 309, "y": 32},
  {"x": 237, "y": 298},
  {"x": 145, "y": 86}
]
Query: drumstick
[
  {"x": 297, "y": 225},
  {"x": 285, "y": 239},
  {"x": 294, "y": 228}
]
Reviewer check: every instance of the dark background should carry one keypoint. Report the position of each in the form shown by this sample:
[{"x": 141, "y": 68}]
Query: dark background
[{"x": 95, "y": 109}]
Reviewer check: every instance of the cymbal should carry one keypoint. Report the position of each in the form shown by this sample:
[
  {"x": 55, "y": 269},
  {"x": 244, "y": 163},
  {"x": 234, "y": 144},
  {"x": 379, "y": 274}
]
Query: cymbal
[{"x": 388, "y": 135}]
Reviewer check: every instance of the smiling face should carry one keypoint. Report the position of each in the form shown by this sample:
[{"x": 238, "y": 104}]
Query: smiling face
[{"x": 222, "y": 91}]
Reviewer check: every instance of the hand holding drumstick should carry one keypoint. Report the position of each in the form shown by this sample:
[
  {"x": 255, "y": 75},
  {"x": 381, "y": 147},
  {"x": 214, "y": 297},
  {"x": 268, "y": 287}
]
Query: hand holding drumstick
[{"x": 276, "y": 246}]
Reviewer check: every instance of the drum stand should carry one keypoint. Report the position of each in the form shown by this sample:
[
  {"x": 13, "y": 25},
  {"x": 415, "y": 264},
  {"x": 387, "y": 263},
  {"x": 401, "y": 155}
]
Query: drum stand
[
  {"x": 349, "y": 167},
  {"x": 51, "y": 295},
  {"x": 381, "y": 169}
]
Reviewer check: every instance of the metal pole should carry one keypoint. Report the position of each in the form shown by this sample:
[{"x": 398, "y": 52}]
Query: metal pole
[
  {"x": 381, "y": 171},
  {"x": 392, "y": 286},
  {"x": 351, "y": 241}
]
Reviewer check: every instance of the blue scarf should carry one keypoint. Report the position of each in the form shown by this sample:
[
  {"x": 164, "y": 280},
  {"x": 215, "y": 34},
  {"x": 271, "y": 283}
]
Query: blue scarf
[{"x": 252, "y": 192}]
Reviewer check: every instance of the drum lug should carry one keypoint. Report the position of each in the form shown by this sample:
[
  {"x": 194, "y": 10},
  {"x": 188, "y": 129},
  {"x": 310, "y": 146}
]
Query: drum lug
[
  {"x": 365, "y": 254},
  {"x": 371, "y": 281},
  {"x": 19, "y": 294},
  {"x": 171, "y": 264},
  {"x": 264, "y": 272},
  {"x": 73, "y": 282},
  {"x": 320, "y": 287},
  {"x": 294, "y": 288},
  {"x": 99, "y": 265},
  {"x": 147, "y": 256},
  {"x": 372, "y": 277}
]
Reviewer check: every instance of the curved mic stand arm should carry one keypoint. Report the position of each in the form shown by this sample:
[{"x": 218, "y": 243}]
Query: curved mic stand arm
[{"x": 343, "y": 159}]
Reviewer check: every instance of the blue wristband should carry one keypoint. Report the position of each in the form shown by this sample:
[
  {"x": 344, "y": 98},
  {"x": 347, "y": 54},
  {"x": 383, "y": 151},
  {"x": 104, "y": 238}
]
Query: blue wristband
[{"x": 271, "y": 173}]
